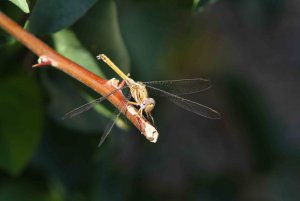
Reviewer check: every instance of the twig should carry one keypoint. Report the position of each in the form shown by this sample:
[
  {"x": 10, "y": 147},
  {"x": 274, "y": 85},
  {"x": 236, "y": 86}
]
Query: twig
[{"x": 48, "y": 56}]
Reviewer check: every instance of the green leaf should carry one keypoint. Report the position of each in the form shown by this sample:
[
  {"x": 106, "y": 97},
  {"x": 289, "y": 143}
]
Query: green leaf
[
  {"x": 51, "y": 16},
  {"x": 99, "y": 32},
  {"x": 148, "y": 42},
  {"x": 30, "y": 190},
  {"x": 67, "y": 44},
  {"x": 65, "y": 96},
  {"x": 199, "y": 4},
  {"x": 20, "y": 122},
  {"x": 22, "y": 4}
]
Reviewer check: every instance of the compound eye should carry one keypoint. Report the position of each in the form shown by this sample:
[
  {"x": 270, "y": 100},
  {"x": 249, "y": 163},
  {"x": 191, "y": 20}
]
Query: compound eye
[{"x": 144, "y": 102}]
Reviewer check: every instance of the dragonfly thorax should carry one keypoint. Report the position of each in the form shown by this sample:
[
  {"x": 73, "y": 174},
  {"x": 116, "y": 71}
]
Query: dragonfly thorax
[
  {"x": 140, "y": 94},
  {"x": 138, "y": 91}
]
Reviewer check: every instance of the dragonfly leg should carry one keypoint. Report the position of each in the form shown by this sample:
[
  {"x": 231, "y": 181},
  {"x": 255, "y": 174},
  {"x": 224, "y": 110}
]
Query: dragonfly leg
[
  {"x": 122, "y": 84},
  {"x": 133, "y": 103},
  {"x": 150, "y": 117},
  {"x": 140, "y": 111}
]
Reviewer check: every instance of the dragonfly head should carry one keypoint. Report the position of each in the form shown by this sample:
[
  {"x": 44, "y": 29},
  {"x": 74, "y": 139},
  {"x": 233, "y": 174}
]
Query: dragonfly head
[{"x": 148, "y": 104}]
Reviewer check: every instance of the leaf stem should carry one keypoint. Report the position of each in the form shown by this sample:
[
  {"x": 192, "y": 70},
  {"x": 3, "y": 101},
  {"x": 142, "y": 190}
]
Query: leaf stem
[{"x": 49, "y": 56}]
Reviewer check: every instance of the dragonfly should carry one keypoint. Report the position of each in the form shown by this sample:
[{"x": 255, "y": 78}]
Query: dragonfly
[{"x": 139, "y": 91}]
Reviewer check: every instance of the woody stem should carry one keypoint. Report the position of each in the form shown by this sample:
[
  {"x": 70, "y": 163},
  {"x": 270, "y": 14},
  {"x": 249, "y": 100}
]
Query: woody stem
[{"x": 73, "y": 69}]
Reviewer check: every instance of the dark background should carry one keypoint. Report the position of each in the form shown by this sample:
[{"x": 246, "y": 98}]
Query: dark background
[{"x": 249, "y": 49}]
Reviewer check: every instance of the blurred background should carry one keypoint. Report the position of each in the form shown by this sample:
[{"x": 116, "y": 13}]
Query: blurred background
[{"x": 249, "y": 49}]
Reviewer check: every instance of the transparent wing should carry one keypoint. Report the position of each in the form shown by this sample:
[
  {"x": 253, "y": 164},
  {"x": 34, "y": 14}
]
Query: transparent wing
[
  {"x": 186, "y": 104},
  {"x": 89, "y": 105},
  {"x": 109, "y": 126},
  {"x": 112, "y": 122},
  {"x": 180, "y": 87}
]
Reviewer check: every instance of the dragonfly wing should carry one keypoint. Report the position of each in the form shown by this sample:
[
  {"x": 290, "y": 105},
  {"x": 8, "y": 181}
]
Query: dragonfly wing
[
  {"x": 196, "y": 108},
  {"x": 189, "y": 105},
  {"x": 112, "y": 122},
  {"x": 89, "y": 105},
  {"x": 109, "y": 126},
  {"x": 181, "y": 87},
  {"x": 83, "y": 108}
]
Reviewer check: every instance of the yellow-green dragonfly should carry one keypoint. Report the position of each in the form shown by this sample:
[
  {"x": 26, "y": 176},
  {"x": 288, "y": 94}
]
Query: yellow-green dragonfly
[{"x": 139, "y": 91}]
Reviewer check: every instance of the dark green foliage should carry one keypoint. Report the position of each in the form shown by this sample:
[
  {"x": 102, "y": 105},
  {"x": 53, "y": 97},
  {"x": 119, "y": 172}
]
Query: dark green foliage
[
  {"x": 51, "y": 16},
  {"x": 199, "y": 4},
  {"x": 20, "y": 125},
  {"x": 102, "y": 24},
  {"x": 247, "y": 48}
]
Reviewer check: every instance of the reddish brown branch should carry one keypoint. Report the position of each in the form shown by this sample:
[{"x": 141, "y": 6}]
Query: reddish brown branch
[{"x": 49, "y": 56}]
